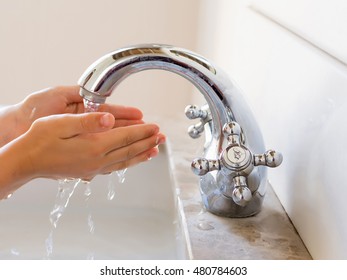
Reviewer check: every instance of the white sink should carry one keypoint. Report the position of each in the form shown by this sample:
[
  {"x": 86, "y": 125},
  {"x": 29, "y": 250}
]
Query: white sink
[{"x": 143, "y": 221}]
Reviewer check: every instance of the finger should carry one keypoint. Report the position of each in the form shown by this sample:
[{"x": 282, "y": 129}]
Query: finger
[
  {"x": 122, "y": 112},
  {"x": 123, "y": 136},
  {"x": 71, "y": 93},
  {"x": 142, "y": 157},
  {"x": 120, "y": 123},
  {"x": 69, "y": 125},
  {"x": 127, "y": 152}
]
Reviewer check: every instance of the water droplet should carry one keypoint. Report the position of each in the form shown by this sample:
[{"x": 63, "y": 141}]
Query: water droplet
[
  {"x": 88, "y": 190},
  {"x": 15, "y": 252},
  {"x": 111, "y": 193},
  {"x": 205, "y": 226},
  {"x": 121, "y": 175},
  {"x": 111, "y": 186},
  {"x": 91, "y": 225},
  {"x": 9, "y": 195}
]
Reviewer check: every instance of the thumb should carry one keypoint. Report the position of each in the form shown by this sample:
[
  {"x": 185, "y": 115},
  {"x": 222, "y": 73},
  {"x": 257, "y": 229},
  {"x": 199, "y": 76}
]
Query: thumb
[
  {"x": 95, "y": 122},
  {"x": 88, "y": 123}
]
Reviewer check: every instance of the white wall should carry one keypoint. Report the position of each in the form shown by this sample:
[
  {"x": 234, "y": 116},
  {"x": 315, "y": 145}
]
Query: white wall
[
  {"x": 289, "y": 59},
  {"x": 50, "y": 42}
]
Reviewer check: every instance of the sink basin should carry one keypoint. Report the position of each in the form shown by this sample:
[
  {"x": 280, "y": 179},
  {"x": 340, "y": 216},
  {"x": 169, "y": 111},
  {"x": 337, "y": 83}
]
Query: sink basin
[{"x": 144, "y": 220}]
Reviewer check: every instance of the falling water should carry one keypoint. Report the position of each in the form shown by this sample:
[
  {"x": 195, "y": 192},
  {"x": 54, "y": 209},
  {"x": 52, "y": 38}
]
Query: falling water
[
  {"x": 90, "y": 106},
  {"x": 121, "y": 175},
  {"x": 111, "y": 186},
  {"x": 65, "y": 191},
  {"x": 87, "y": 194}
]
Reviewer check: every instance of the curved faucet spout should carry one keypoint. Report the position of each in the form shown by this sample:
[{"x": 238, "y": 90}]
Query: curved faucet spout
[
  {"x": 225, "y": 105},
  {"x": 101, "y": 78}
]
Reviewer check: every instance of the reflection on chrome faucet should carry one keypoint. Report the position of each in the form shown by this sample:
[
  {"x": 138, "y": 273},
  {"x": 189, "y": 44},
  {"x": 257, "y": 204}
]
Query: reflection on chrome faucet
[{"x": 232, "y": 171}]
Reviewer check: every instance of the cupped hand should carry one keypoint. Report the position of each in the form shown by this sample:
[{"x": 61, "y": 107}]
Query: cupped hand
[
  {"x": 77, "y": 146},
  {"x": 82, "y": 146},
  {"x": 67, "y": 100}
]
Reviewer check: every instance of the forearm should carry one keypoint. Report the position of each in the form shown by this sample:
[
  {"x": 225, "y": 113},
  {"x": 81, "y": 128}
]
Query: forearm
[
  {"x": 14, "y": 168},
  {"x": 11, "y": 123}
]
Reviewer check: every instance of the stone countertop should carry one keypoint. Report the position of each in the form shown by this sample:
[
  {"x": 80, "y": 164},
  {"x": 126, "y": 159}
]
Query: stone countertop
[{"x": 269, "y": 235}]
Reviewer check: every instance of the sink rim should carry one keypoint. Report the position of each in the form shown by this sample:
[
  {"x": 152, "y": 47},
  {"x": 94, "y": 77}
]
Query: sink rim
[{"x": 183, "y": 246}]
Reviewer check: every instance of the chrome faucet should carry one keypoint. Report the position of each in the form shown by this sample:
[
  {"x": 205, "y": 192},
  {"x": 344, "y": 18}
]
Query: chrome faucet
[{"x": 232, "y": 172}]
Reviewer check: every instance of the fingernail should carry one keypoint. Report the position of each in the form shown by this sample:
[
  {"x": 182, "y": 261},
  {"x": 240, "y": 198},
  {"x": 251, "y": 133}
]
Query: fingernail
[
  {"x": 160, "y": 140},
  {"x": 106, "y": 120}
]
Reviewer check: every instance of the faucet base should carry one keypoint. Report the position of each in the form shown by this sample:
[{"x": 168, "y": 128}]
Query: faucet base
[{"x": 217, "y": 203}]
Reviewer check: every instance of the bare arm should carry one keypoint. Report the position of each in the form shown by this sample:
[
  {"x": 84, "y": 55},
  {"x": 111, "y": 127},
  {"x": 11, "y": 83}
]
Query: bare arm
[{"x": 42, "y": 141}]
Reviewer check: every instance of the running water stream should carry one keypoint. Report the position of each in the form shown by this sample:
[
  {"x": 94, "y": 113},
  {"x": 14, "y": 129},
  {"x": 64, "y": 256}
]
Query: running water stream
[{"x": 66, "y": 189}]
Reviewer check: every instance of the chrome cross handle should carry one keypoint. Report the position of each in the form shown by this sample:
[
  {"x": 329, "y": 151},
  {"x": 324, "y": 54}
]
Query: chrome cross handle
[
  {"x": 236, "y": 161},
  {"x": 194, "y": 112}
]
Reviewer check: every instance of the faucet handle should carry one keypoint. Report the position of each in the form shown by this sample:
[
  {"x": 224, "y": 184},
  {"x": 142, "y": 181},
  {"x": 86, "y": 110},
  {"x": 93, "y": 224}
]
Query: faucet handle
[
  {"x": 201, "y": 166},
  {"x": 232, "y": 128},
  {"x": 233, "y": 132},
  {"x": 270, "y": 158},
  {"x": 194, "y": 112},
  {"x": 195, "y": 130},
  {"x": 239, "y": 192}
]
